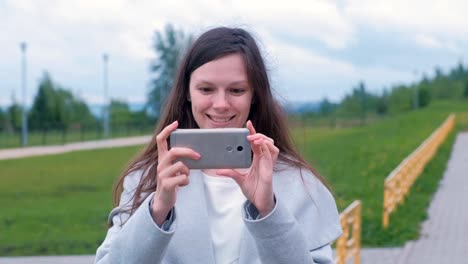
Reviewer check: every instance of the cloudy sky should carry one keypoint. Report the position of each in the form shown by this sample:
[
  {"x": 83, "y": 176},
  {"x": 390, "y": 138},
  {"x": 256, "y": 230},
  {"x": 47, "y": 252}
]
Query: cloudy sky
[{"x": 314, "y": 49}]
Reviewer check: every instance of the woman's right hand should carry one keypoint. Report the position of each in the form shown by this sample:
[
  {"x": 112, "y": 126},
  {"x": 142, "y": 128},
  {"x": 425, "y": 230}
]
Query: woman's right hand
[{"x": 170, "y": 175}]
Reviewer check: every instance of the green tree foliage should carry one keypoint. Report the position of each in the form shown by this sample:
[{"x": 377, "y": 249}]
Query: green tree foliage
[
  {"x": 458, "y": 73},
  {"x": 3, "y": 119},
  {"x": 424, "y": 96},
  {"x": 326, "y": 107},
  {"x": 359, "y": 103},
  {"x": 14, "y": 113},
  {"x": 169, "y": 46},
  {"x": 57, "y": 108},
  {"x": 465, "y": 93},
  {"x": 401, "y": 99},
  {"x": 119, "y": 113},
  {"x": 381, "y": 106},
  {"x": 122, "y": 117}
]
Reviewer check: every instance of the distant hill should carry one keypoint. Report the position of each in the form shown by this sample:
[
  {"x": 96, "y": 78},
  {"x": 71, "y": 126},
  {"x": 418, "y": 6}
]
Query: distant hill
[
  {"x": 96, "y": 109},
  {"x": 301, "y": 107}
]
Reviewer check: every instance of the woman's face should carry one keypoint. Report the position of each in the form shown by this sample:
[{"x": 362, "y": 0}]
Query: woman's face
[{"x": 220, "y": 93}]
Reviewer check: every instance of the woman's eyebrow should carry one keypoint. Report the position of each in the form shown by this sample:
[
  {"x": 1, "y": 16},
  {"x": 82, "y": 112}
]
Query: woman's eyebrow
[
  {"x": 202, "y": 82},
  {"x": 239, "y": 82}
]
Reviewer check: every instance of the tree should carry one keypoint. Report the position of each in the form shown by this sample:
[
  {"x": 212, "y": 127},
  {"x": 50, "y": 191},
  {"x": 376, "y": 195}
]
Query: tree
[
  {"x": 44, "y": 111},
  {"x": 3, "y": 120},
  {"x": 438, "y": 72},
  {"x": 326, "y": 107},
  {"x": 381, "y": 107},
  {"x": 465, "y": 93},
  {"x": 458, "y": 72},
  {"x": 363, "y": 97},
  {"x": 56, "y": 107},
  {"x": 400, "y": 99},
  {"x": 169, "y": 47},
  {"x": 424, "y": 95},
  {"x": 120, "y": 113},
  {"x": 14, "y": 116}
]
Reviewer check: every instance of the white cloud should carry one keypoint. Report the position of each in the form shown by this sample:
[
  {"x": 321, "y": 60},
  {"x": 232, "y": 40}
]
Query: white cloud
[
  {"x": 441, "y": 17},
  {"x": 302, "y": 74},
  {"x": 427, "y": 41},
  {"x": 305, "y": 19},
  {"x": 431, "y": 42}
]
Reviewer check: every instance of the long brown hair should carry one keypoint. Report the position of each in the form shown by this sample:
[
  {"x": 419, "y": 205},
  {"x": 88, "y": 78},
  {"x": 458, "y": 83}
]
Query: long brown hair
[{"x": 266, "y": 114}]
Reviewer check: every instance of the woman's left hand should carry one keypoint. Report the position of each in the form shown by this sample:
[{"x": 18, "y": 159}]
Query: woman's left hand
[{"x": 257, "y": 182}]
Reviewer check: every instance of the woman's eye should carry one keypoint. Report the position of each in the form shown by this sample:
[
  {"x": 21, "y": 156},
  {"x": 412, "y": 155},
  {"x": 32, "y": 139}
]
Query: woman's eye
[
  {"x": 205, "y": 89},
  {"x": 237, "y": 90}
]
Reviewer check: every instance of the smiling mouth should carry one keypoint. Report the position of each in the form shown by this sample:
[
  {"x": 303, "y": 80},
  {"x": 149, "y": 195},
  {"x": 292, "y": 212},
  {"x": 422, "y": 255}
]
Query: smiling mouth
[{"x": 220, "y": 119}]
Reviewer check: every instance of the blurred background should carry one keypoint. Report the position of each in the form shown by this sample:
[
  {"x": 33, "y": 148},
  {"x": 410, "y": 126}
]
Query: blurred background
[{"x": 364, "y": 83}]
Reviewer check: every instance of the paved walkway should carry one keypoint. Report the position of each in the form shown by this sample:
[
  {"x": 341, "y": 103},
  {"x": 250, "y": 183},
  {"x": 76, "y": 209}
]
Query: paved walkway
[
  {"x": 444, "y": 237},
  {"x": 15, "y": 153},
  {"x": 49, "y": 260}
]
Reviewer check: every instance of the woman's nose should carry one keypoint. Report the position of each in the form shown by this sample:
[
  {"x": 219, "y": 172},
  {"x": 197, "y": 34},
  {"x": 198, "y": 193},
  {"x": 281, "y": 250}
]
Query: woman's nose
[{"x": 220, "y": 101}]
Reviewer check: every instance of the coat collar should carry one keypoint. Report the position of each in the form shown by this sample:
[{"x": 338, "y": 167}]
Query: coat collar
[{"x": 192, "y": 226}]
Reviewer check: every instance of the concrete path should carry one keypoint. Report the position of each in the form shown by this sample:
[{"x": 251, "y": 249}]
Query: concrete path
[
  {"x": 57, "y": 149},
  {"x": 444, "y": 235},
  {"x": 49, "y": 260},
  {"x": 377, "y": 255}
]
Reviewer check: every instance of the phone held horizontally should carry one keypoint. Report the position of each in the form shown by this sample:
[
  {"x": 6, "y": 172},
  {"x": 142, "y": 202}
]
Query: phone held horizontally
[{"x": 220, "y": 148}]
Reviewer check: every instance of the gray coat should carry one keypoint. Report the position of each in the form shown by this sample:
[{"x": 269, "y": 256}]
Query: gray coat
[{"x": 300, "y": 228}]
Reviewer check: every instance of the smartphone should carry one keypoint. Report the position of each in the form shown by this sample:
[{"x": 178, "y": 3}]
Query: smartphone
[{"x": 220, "y": 148}]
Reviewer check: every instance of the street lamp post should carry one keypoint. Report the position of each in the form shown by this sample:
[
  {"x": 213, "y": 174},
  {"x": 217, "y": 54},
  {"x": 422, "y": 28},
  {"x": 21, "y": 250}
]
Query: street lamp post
[
  {"x": 24, "y": 122},
  {"x": 106, "y": 117}
]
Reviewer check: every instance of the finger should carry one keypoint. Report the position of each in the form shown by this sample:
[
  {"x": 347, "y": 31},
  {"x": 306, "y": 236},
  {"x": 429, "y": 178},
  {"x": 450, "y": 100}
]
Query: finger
[
  {"x": 273, "y": 149},
  {"x": 256, "y": 146},
  {"x": 175, "y": 169},
  {"x": 179, "y": 152},
  {"x": 251, "y": 128},
  {"x": 260, "y": 135},
  {"x": 175, "y": 153},
  {"x": 161, "y": 138},
  {"x": 231, "y": 173},
  {"x": 170, "y": 184},
  {"x": 266, "y": 151}
]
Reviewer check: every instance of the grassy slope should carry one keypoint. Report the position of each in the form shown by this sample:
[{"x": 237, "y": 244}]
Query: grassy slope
[{"x": 356, "y": 162}]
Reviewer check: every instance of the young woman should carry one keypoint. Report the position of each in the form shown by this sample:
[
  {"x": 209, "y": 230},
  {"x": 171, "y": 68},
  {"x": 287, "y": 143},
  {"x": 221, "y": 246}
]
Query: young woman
[{"x": 277, "y": 211}]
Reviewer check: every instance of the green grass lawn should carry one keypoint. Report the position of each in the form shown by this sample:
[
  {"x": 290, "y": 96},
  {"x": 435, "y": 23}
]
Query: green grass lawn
[{"x": 59, "y": 204}]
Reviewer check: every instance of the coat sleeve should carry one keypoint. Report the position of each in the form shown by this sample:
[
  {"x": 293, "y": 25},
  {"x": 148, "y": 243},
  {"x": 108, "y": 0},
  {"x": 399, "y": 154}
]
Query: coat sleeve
[
  {"x": 301, "y": 226},
  {"x": 135, "y": 238}
]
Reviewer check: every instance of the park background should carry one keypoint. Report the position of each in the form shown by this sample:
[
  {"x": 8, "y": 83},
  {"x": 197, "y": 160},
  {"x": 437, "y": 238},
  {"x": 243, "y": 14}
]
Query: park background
[{"x": 359, "y": 97}]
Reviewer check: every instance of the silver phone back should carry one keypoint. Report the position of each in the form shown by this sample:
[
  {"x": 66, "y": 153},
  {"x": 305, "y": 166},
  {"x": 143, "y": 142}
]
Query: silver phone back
[{"x": 220, "y": 148}]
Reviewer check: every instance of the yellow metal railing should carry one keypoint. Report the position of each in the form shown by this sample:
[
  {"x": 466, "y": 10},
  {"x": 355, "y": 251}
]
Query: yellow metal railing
[
  {"x": 400, "y": 180},
  {"x": 348, "y": 245}
]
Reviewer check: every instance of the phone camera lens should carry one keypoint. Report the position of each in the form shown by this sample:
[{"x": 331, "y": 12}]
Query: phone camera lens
[
  {"x": 229, "y": 148},
  {"x": 240, "y": 148}
]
